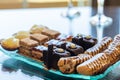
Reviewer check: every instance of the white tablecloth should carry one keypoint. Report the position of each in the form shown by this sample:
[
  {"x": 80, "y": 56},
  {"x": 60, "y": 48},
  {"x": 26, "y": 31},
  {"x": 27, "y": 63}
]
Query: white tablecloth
[{"x": 14, "y": 20}]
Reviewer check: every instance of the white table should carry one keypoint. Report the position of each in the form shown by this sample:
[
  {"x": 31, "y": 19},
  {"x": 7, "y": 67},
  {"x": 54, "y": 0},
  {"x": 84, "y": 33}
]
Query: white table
[{"x": 14, "y": 20}]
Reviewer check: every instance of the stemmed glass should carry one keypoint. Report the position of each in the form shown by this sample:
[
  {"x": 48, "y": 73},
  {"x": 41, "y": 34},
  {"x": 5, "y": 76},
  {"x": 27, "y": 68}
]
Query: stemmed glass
[
  {"x": 100, "y": 21},
  {"x": 70, "y": 14}
]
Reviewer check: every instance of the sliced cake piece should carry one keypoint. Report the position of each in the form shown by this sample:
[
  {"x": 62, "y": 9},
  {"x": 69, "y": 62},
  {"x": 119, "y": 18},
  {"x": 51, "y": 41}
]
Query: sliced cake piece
[
  {"x": 40, "y": 38},
  {"x": 51, "y": 33},
  {"x": 37, "y": 52}
]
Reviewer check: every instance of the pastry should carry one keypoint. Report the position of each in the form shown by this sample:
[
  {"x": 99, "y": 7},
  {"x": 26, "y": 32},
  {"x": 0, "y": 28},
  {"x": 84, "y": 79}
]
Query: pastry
[
  {"x": 99, "y": 47},
  {"x": 95, "y": 65},
  {"x": 26, "y": 46},
  {"x": 64, "y": 37},
  {"x": 71, "y": 47},
  {"x": 28, "y": 43},
  {"x": 84, "y": 41},
  {"x": 22, "y": 34},
  {"x": 37, "y": 29},
  {"x": 61, "y": 44},
  {"x": 52, "y": 42},
  {"x": 52, "y": 34},
  {"x": 77, "y": 39},
  {"x": 88, "y": 42},
  {"x": 100, "y": 62},
  {"x": 40, "y": 38},
  {"x": 57, "y": 54},
  {"x": 68, "y": 64},
  {"x": 25, "y": 52},
  {"x": 53, "y": 55},
  {"x": 74, "y": 49},
  {"x": 37, "y": 52},
  {"x": 10, "y": 43},
  {"x": 114, "y": 50}
]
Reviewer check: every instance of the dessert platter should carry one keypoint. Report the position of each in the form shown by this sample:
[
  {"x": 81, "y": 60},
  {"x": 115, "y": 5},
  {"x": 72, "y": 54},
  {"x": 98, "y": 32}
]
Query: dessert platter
[{"x": 66, "y": 56}]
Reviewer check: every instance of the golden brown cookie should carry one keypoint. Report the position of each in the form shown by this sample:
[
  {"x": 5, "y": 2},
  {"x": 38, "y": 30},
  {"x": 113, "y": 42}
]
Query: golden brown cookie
[
  {"x": 22, "y": 34},
  {"x": 10, "y": 43},
  {"x": 37, "y": 29}
]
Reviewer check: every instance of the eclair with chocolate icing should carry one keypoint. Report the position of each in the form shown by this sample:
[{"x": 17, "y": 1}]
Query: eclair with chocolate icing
[{"x": 68, "y": 64}]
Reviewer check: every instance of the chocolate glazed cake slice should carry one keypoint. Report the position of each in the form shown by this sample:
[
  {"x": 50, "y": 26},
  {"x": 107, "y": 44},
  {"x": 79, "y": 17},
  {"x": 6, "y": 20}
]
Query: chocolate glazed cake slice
[
  {"x": 52, "y": 55},
  {"x": 47, "y": 56},
  {"x": 84, "y": 41},
  {"x": 70, "y": 47}
]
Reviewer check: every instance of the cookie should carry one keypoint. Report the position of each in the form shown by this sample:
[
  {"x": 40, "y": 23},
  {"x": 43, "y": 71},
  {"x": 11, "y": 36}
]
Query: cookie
[
  {"x": 10, "y": 43},
  {"x": 22, "y": 34},
  {"x": 37, "y": 29}
]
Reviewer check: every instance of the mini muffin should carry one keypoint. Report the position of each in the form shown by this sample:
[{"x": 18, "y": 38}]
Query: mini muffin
[
  {"x": 10, "y": 43},
  {"x": 22, "y": 34}
]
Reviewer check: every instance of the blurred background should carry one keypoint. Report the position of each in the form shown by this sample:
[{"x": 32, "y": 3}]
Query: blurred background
[
  {"x": 12, "y": 4},
  {"x": 22, "y": 14}
]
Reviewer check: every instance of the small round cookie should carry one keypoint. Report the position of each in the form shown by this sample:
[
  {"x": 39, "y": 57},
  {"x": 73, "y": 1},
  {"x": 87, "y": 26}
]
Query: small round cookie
[
  {"x": 10, "y": 43},
  {"x": 22, "y": 34}
]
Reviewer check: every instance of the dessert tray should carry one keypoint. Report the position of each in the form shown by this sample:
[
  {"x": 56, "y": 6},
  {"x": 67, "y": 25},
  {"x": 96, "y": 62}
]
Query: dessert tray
[{"x": 15, "y": 55}]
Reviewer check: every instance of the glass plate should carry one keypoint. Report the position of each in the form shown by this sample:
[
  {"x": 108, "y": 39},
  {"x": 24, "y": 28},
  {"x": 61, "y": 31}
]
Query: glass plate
[{"x": 57, "y": 73}]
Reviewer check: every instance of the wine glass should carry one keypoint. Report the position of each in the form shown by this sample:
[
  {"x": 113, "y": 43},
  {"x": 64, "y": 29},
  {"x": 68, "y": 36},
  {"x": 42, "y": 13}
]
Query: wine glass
[
  {"x": 70, "y": 14},
  {"x": 100, "y": 21}
]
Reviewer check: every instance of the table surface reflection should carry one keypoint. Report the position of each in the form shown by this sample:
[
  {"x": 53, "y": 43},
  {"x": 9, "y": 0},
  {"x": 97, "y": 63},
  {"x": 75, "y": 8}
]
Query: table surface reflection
[{"x": 22, "y": 19}]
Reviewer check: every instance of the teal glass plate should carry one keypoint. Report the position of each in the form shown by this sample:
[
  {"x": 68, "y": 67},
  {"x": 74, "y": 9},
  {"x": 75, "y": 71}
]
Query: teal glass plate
[{"x": 30, "y": 61}]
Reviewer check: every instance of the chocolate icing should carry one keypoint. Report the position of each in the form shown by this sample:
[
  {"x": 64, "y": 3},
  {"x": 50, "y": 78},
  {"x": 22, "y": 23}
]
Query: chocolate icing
[
  {"x": 84, "y": 41},
  {"x": 52, "y": 55}
]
